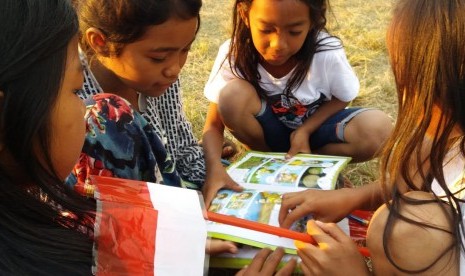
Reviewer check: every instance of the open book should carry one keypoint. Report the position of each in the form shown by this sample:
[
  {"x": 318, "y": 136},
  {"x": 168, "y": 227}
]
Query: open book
[
  {"x": 265, "y": 177},
  {"x": 246, "y": 253}
]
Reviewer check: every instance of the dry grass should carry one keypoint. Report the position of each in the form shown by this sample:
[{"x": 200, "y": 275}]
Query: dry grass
[{"x": 360, "y": 24}]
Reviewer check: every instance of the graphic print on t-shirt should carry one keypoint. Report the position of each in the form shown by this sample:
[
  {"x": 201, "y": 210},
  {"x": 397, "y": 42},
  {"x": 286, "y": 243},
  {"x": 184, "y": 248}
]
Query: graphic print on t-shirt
[{"x": 291, "y": 111}]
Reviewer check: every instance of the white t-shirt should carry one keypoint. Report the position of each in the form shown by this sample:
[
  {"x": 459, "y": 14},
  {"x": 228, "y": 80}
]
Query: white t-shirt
[
  {"x": 330, "y": 75},
  {"x": 454, "y": 172}
]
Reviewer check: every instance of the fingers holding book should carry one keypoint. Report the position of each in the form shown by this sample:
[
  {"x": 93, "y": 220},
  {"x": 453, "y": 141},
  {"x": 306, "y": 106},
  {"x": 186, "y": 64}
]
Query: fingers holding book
[
  {"x": 266, "y": 263},
  {"x": 333, "y": 247}
]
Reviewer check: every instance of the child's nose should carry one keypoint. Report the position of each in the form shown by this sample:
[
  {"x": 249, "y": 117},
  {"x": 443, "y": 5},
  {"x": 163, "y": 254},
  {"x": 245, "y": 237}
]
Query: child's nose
[
  {"x": 278, "y": 42},
  {"x": 173, "y": 70}
]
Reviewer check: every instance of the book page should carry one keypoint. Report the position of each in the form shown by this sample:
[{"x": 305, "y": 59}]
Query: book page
[
  {"x": 246, "y": 253},
  {"x": 302, "y": 171},
  {"x": 244, "y": 257},
  {"x": 256, "y": 205},
  {"x": 265, "y": 178}
]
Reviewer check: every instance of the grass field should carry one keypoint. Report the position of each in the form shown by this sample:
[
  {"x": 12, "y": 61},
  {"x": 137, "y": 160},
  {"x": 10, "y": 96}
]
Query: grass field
[{"x": 360, "y": 24}]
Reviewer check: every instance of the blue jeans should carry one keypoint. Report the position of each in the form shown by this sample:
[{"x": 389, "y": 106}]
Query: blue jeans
[{"x": 277, "y": 135}]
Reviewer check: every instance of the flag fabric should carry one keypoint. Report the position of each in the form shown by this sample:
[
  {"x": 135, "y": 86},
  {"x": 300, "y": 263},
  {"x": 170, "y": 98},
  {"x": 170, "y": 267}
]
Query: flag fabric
[{"x": 145, "y": 228}]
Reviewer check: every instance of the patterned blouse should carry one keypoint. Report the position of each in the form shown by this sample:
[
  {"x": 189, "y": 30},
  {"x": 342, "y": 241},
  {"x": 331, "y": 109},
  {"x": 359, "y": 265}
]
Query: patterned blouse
[
  {"x": 165, "y": 114},
  {"x": 120, "y": 143}
]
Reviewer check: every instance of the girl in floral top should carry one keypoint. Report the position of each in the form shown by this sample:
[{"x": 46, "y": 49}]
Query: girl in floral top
[{"x": 120, "y": 55}]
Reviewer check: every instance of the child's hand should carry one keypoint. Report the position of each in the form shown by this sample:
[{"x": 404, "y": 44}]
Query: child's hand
[
  {"x": 217, "y": 181},
  {"x": 329, "y": 206},
  {"x": 266, "y": 262},
  {"x": 300, "y": 142},
  {"x": 336, "y": 253},
  {"x": 215, "y": 247}
]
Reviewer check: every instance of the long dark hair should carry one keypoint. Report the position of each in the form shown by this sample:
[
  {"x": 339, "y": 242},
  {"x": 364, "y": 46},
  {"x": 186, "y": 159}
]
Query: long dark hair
[
  {"x": 35, "y": 236},
  {"x": 426, "y": 42},
  {"x": 124, "y": 21},
  {"x": 245, "y": 57}
]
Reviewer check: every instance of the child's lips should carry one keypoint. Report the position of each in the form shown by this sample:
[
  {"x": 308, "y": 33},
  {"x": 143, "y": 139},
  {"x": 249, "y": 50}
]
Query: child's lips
[
  {"x": 164, "y": 86},
  {"x": 278, "y": 58}
]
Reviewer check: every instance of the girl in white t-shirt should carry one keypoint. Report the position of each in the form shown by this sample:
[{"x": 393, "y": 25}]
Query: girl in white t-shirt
[{"x": 282, "y": 83}]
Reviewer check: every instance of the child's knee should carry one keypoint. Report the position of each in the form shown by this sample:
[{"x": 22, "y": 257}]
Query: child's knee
[
  {"x": 381, "y": 124},
  {"x": 238, "y": 98},
  {"x": 370, "y": 129}
]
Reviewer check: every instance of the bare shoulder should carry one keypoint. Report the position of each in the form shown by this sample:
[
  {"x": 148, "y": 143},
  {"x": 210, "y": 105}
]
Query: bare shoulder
[{"x": 411, "y": 246}]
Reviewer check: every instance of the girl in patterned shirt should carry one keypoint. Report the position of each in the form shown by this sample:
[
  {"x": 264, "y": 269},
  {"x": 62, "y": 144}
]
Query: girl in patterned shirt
[{"x": 127, "y": 50}]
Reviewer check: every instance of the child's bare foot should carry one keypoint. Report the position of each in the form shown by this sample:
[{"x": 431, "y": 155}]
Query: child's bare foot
[
  {"x": 343, "y": 182},
  {"x": 229, "y": 148}
]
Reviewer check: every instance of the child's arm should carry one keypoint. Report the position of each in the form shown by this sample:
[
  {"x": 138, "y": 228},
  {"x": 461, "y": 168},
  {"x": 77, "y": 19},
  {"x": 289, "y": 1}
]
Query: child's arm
[
  {"x": 217, "y": 177},
  {"x": 301, "y": 136},
  {"x": 329, "y": 206}
]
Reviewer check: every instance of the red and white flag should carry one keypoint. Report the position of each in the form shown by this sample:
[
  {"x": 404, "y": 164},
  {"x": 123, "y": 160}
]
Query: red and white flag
[{"x": 147, "y": 229}]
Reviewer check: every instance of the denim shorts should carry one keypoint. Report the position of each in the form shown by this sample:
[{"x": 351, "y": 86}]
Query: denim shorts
[{"x": 277, "y": 134}]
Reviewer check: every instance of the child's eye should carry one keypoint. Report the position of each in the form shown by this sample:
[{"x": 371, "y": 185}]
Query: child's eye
[
  {"x": 157, "y": 60},
  {"x": 295, "y": 33},
  {"x": 266, "y": 31}
]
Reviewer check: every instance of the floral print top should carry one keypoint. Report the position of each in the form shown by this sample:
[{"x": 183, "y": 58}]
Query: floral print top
[{"x": 120, "y": 143}]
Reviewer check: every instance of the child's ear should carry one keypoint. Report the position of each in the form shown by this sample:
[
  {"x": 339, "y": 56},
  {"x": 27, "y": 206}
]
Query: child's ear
[
  {"x": 97, "y": 40},
  {"x": 244, "y": 13}
]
